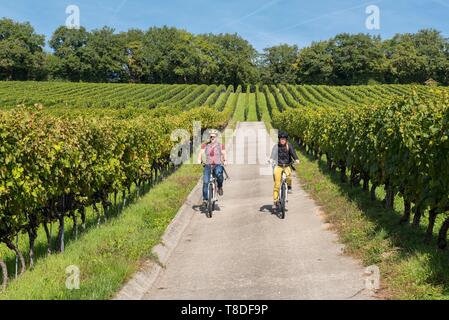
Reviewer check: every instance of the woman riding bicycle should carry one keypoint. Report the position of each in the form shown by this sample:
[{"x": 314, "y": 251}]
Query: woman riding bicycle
[
  {"x": 282, "y": 155},
  {"x": 215, "y": 158}
]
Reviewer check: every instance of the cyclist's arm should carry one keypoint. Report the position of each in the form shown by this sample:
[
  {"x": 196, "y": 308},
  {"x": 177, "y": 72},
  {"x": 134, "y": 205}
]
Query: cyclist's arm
[
  {"x": 224, "y": 156},
  {"x": 293, "y": 153},
  {"x": 200, "y": 155},
  {"x": 274, "y": 155}
]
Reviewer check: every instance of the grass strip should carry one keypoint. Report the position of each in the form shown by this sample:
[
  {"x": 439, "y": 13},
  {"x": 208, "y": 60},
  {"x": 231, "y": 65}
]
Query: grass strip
[{"x": 252, "y": 110}]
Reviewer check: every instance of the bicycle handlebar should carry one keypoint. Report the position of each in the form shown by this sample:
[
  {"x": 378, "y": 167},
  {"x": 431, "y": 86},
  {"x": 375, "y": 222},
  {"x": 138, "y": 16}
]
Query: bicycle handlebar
[
  {"x": 207, "y": 164},
  {"x": 227, "y": 176}
]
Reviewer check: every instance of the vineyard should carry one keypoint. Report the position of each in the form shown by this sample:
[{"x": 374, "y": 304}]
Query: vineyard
[
  {"x": 70, "y": 152},
  {"x": 396, "y": 142},
  {"x": 67, "y": 161}
]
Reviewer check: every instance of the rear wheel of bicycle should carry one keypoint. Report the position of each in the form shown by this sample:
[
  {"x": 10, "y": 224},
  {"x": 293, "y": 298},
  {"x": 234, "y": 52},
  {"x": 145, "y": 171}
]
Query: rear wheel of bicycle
[
  {"x": 210, "y": 202},
  {"x": 282, "y": 204}
]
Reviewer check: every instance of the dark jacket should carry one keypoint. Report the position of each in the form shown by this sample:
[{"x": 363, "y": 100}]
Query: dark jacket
[{"x": 283, "y": 156}]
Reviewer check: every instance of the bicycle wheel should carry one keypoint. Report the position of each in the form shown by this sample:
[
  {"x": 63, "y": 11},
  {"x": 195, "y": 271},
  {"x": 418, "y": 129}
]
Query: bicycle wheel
[
  {"x": 282, "y": 198},
  {"x": 210, "y": 201}
]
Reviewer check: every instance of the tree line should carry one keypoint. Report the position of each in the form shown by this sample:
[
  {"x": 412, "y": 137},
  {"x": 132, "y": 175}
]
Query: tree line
[{"x": 171, "y": 55}]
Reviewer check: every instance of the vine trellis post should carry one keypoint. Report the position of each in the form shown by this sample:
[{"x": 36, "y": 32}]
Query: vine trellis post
[{"x": 17, "y": 256}]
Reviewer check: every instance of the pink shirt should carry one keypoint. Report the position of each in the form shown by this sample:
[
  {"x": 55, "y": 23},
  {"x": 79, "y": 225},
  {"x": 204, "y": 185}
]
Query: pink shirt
[{"x": 213, "y": 152}]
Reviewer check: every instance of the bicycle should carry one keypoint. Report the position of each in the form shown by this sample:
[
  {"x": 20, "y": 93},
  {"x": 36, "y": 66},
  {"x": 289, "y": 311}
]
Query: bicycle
[
  {"x": 212, "y": 194},
  {"x": 283, "y": 194},
  {"x": 283, "y": 191}
]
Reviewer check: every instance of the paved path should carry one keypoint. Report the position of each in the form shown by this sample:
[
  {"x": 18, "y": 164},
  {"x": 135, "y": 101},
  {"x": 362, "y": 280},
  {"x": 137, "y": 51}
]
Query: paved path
[{"x": 245, "y": 252}]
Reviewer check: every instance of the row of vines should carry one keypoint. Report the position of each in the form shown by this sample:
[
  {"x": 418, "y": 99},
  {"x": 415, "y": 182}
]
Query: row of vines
[
  {"x": 55, "y": 165},
  {"x": 400, "y": 142},
  {"x": 187, "y": 96}
]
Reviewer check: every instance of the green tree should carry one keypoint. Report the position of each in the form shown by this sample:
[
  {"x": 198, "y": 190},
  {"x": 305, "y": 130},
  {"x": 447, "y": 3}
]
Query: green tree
[
  {"x": 21, "y": 51},
  {"x": 418, "y": 57},
  {"x": 236, "y": 59},
  {"x": 357, "y": 58},
  {"x": 106, "y": 56},
  {"x": 97, "y": 56},
  {"x": 406, "y": 64},
  {"x": 135, "y": 66},
  {"x": 278, "y": 64},
  {"x": 433, "y": 47},
  {"x": 315, "y": 64},
  {"x": 343, "y": 60},
  {"x": 206, "y": 61},
  {"x": 69, "y": 46},
  {"x": 167, "y": 53}
]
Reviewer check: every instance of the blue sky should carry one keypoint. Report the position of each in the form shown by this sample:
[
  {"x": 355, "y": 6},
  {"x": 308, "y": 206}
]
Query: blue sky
[{"x": 262, "y": 22}]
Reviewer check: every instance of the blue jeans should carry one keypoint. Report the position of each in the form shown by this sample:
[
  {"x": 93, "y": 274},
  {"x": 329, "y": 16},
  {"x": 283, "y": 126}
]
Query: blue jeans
[{"x": 217, "y": 172}]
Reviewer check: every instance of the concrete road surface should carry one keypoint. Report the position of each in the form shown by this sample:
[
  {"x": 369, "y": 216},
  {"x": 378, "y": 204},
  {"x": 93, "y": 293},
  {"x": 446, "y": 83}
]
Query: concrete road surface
[{"x": 245, "y": 252}]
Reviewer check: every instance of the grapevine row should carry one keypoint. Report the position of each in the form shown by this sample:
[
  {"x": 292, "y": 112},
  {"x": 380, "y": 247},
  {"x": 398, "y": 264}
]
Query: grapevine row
[
  {"x": 401, "y": 143},
  {"x": 55, "y": 167}
]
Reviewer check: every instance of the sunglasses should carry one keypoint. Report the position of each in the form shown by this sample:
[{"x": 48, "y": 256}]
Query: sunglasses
[{"x": 213, "y": 137}]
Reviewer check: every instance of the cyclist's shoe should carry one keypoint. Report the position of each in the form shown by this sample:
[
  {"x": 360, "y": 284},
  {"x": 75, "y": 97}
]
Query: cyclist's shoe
[
  {"x": 275, "y": 207},
  {"x": 290, "y": 190},
  {"x": 220, "y": 191},
  {"x": 204, "y": 204}
]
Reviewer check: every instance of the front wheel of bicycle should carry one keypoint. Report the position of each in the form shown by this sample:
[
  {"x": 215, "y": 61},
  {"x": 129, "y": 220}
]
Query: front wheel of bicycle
[
  {"x": 210, "y": 201},
  {"x": 282, "y": 204}
]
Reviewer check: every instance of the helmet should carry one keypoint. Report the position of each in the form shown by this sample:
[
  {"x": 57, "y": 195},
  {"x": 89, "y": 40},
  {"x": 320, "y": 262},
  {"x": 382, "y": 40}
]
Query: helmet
[
  {"x": 283, "y": 135},
  {"x": 213, "y": 131}
]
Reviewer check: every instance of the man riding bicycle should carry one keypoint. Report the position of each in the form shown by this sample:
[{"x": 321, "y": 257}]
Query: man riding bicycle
[
  {"x": 215, "y": 158},
  {"x": 282, "y": 155}
]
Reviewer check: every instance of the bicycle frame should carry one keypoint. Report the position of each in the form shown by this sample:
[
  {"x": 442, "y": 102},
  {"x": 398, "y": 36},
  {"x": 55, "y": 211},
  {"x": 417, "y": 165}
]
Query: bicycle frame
[
  {"x": 213, "y": 182},
  {"x": 212, "y": 189},
  {"x": 283, "y": 193},
  {"x": 212, "y": 192},
  {"x": 284, "y": 183}
]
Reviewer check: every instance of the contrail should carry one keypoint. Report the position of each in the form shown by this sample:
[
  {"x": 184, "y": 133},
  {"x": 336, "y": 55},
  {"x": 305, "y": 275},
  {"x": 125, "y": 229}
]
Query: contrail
[
  {"x": 263, "y": 7},
  {"x": 120, "y": 6},
  {"x": 116, "y": 11},
  {"x": 324, "y": 16},
  {"x": 441, "y": 2}
]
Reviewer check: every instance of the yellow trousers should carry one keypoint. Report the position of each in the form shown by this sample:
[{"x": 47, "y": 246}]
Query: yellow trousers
[{"x": 277, "y": 179}]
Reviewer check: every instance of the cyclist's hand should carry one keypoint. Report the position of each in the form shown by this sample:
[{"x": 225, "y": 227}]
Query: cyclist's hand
[
  {"x": 225, "y": 162},
  {"x": 297, "y": 161}
]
